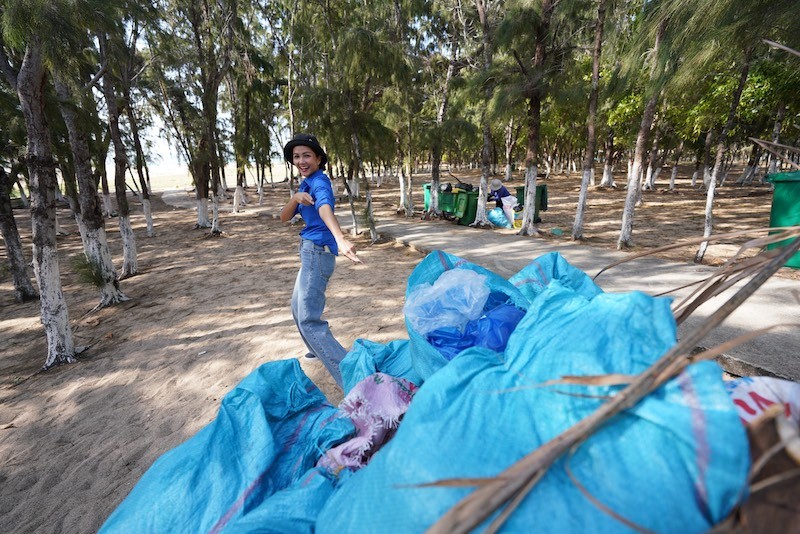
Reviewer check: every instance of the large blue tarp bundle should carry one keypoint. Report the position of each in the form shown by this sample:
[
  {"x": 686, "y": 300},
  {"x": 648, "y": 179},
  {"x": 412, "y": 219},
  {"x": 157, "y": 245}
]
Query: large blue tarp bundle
[
  {"x": 255, "y": 459},
  {"x": 677, "y": 462}
]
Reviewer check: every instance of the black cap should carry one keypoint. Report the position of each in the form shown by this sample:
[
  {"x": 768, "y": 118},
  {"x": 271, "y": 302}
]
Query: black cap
[{"x": 303, "y": 139}]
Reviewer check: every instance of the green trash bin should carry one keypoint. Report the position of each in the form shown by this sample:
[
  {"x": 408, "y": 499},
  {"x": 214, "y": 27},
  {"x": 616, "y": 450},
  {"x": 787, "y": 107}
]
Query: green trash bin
[
  {"x": 466, "y": 207},
  {"x": 541, "y": 200},
  {"x": 447, "y": 201},
  {"x": 786, "y": 207}
]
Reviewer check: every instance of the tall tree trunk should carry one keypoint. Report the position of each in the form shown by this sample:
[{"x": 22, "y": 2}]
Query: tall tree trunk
[
  {"x": 608, "y": 165},
  {"x": 403, "y": 205},
  {"x": 512, "y": 131},
  {"x": 653, "y": 162},
  {"x": 634, "y": 176},
  {"x": 721, "y": 142},
  {"x": 534, "y": 120},
  {"x": 707, "y": 157},
  {"x": 55, "y": 317},
  {"x": 101, "y": 173},
  {"x": 409, "y": 164},
  {"x": 481, "y": 219},
  {"x": 141, "y": 164},
  {"x": 23, "y": 288},
  {"x": 361, "y": 177},
  {"x": 95, "y": 244},
  {"x": 776, "y": 136},
  {"x": 674, "y": 173},
  {"x": 591, "y": 136},
  {"x": 129, "y": 264},
  {"x": 436, "y": 145}
]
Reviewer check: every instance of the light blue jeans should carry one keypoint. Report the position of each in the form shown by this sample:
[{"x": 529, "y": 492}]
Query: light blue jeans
[{"x": 308, "y": 301}]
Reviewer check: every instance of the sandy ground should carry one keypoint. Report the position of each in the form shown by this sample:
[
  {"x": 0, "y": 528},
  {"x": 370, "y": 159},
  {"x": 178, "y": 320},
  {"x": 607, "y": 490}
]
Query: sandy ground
[{"x": 204, "y": 312}]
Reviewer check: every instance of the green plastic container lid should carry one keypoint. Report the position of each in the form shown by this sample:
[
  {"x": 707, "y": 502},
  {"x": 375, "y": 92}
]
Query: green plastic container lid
[{"x": 793, "y": 176}]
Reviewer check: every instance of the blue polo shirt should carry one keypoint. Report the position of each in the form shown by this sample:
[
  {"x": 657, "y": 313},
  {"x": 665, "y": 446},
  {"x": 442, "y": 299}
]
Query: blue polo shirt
[
  {"x": 318, "y": 185},
  {"x": 498, "y": 195}
]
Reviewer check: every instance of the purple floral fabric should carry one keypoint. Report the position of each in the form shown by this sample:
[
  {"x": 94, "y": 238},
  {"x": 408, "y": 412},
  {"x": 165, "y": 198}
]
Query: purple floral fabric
[{"x": 375, "y": 405}]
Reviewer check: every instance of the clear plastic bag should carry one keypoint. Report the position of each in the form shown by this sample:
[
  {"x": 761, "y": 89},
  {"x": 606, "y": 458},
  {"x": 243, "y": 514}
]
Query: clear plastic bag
[{"x": 455, "y": 298}]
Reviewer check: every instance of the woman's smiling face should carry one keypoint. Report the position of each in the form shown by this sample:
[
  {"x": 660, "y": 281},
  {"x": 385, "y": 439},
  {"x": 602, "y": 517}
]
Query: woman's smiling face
[{"x": 306, "y": 160}]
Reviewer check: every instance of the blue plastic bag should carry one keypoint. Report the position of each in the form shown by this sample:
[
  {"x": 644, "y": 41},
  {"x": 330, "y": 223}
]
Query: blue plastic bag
[
  {"x": 498, "y": 217},
  {"x": 456, "y": 297},
  {"x": 425, "y": 358}
]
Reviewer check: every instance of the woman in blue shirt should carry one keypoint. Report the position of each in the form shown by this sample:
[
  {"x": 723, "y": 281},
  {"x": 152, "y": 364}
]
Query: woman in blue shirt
[{"x": 321, "y": 241}]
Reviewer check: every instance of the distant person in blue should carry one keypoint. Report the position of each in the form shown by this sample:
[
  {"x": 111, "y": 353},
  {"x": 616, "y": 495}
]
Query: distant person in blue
[
  {"x": 321, "y": 241},
  {"x": 505, "y": 200}
]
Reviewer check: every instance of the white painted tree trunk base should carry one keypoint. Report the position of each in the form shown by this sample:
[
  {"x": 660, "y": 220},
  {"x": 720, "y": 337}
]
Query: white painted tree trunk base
[
  {"x": 55, "y": 317},
  {"x": 202, "y": 214},
  {"x": 129, "y": 265},
  {"x": 215, "y": 226},
  {"x": 608, "y": 177},
  {"x": 107, "y": 208},
  {"x": 148, "y": 217}
]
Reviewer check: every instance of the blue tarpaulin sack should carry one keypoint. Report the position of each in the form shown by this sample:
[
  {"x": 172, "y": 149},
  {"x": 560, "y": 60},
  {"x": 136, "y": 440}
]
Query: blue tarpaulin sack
[
  {"x": 676, "y": 462},
  {"x": 537, "y": 275},
  {"x": 255, "y": 459},
  {"x": 498, "y": 217},
  {"x": 368, "y": 357}
]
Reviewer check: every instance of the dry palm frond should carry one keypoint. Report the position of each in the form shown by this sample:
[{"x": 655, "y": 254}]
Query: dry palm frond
[
  {"x": 734, "y": 270},
  {"x": 775, "y": 148},
  {"x": 731, "y": 272},
  {"x": 791, "y": 231},
  {"x": 509, "y": 488}
]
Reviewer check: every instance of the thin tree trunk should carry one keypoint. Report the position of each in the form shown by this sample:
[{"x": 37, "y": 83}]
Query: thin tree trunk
[
  {"x": 750, "y": 168},
  {"x": 129, "y": 265},
  {"x": 707, "y": 157},
  {"x": 92, "y": 223},
  {"x": 653, "y": 162},
  {"x": 511, "y": 139},
  {"x": 481, "y": 220},
  {"x": 534, "y": 121},
  {"x": 436, "y": 146},
  {"x": 405, "y": 204},
  {"x": 674, "y": 173},
  {"x": 608, "y": 166},
  {"x": 723, "y": 138},
  {"x": 591, "y": 137},
  {"x": 776, "y": 136},
  {"x": 23, "y": 288},
  {"x": 141, "y": 166},
  {"x": 634, "y": 176}
]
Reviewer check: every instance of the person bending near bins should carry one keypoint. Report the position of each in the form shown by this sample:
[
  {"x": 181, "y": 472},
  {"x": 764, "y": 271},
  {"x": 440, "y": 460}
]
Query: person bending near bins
[
  {"x": 504, "y": 198},
  {"x": 321, "y": 241}
]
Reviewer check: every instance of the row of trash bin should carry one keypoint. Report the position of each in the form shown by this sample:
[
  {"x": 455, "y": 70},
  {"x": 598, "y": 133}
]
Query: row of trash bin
[{"x": 463, "y": 205}]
